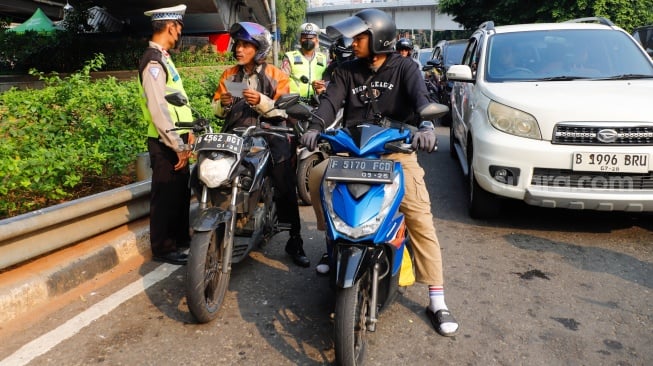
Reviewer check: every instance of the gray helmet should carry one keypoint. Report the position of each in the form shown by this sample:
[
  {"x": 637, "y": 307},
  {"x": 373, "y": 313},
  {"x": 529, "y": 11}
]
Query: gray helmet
[
  {"x": 377, "y": 23},
  {"x": 255, "y": 34}
]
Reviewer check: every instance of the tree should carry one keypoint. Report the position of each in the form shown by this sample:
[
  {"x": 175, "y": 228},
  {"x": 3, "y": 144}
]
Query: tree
[
  {"x": 290, "y": 15},
  {"x": 627, "y": 14}
]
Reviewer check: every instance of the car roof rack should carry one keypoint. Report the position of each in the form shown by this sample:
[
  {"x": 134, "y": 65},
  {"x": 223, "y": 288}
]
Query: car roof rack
[
  {"x": 488, "y": 25},
  {"x": 600, "y": 20}
]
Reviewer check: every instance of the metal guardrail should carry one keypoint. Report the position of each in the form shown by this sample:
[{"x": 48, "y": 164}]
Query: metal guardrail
[{"x": 39, "y": 232}]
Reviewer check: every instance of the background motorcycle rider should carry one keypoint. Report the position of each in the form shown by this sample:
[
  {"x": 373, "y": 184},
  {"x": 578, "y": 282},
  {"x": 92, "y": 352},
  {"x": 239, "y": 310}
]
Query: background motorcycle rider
[
  {"x": 339, "y": 52},
  {"x": 265, "y": 84},
  {"x": 377, "y": 83},
  {"x": 405, "y": 49},
  {"x": 169, "y": 151},
  {"x": 306, "y": 65}
]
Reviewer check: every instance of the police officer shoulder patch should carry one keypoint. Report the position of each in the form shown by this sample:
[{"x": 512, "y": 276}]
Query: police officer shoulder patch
[
  {"x": 154, "y": 71},
  {"x": 298, "y": 60}
]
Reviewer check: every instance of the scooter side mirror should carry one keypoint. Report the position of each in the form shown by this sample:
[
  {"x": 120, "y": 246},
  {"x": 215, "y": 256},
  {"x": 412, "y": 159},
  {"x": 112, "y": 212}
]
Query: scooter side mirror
[
  {"x": 177, "y": 99},
  {"x": 433, "y": 110},
  {"x": 286, "y": 100},
  {"x": 299, "y": 111}
]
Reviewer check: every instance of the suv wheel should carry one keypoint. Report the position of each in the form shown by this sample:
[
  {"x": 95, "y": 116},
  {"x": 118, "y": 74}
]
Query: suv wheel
[
  {"x": 482, "y": 204},
  {"x": 452, "y": 145}
]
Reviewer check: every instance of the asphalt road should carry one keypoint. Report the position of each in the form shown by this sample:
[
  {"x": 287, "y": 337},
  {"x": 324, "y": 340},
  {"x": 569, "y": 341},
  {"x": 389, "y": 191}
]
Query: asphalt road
[{"x": 534, "y": 287}]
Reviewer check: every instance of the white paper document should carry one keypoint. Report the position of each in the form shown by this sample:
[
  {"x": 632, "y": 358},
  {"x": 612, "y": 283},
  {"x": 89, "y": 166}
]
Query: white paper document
[{"x": 236, "y": 89}]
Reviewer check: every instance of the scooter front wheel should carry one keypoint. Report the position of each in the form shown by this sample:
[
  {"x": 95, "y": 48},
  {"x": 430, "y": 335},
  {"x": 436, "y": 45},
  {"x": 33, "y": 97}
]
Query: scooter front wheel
[
  {"x": 350, "y": 323},
  {"x": 206, "y": 283}
]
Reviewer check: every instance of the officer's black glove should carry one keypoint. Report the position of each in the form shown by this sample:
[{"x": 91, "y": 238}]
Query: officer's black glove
[
  {"x": 309, "y": 139},
  {"x": 425, "y": 138}
]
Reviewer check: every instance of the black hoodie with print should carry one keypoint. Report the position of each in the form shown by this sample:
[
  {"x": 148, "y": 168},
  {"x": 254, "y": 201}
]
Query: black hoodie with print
[{"x": 397, "y": 85}]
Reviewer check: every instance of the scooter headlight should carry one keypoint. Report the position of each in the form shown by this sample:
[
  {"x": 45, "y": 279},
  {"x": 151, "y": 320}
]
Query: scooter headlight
[
  {"x": 370, "y": 226},
  {"x": 215, "y": 172}
]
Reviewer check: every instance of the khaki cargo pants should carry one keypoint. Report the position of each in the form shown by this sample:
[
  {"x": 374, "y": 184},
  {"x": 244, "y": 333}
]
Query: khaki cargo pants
[{"x": 416, "y": 207}]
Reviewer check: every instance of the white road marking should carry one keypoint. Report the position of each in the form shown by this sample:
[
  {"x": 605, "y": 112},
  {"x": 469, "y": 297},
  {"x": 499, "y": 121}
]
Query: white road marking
[{"x": 49, "y": 340}]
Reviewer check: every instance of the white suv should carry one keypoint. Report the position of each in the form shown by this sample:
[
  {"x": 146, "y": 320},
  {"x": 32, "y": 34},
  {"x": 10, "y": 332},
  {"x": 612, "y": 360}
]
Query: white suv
[{"x": 556, "y": 115}]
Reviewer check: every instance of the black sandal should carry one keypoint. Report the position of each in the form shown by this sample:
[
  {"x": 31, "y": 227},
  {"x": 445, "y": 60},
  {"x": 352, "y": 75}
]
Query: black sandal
[
  {"x": 322, "y": 267},
  {"x": 438, "y": 318}
]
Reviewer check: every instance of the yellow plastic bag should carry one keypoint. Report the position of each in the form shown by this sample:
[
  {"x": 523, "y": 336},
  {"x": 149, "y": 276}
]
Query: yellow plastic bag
[{"x": 406, "y": 272}]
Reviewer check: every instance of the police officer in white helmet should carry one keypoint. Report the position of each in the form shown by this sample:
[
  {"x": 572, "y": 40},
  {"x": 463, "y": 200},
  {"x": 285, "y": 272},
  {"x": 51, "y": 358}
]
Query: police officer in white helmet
[{"x": 306, "y": 65}]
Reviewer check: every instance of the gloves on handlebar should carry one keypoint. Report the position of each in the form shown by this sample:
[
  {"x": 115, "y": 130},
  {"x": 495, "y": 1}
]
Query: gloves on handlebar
[
  {"x": 309, "y": 139},
  {"x": 425, "y": 138}
]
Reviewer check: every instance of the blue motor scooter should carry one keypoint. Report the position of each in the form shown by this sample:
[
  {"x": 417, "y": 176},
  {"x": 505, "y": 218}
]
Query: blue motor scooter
[{"x": 361, "y": 192}]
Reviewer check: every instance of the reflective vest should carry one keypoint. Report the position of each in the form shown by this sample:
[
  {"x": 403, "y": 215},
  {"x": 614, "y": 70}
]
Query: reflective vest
[
  {"x": 173, "y": 84},
  {"x": 300, "y": 66}
]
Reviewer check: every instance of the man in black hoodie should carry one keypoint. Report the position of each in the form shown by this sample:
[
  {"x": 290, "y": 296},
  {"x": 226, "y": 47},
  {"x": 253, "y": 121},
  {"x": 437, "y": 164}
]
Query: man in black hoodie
[{"x": 381, "y": 83}]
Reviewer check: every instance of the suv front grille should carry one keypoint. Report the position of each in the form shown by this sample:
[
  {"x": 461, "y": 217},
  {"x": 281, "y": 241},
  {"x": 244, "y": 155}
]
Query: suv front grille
[
  {"x": 591, "y": 135},
  {"x": 565, "y": 178}
]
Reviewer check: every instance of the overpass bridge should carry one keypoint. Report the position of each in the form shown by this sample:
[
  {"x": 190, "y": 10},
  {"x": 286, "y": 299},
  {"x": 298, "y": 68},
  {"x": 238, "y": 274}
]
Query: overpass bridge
[
  {"x": 202, "y": 16},
  {"x": 409, "y": 15},
  {"x": 206, "y": 17}
]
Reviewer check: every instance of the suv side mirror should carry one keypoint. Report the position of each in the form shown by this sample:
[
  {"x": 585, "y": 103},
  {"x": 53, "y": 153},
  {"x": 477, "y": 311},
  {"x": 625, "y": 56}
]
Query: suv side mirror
[{"x": 459, "y": 73}]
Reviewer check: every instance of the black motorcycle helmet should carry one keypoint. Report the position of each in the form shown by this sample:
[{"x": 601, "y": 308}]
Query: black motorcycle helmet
[
  {"x": 404, "y": 44},
  {"x": 377, "y": 23},
  {"x": 341, "y": 49}
]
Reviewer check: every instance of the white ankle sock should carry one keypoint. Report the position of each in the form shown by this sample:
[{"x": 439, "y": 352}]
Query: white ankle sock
[{"x": 436, "y": 296}]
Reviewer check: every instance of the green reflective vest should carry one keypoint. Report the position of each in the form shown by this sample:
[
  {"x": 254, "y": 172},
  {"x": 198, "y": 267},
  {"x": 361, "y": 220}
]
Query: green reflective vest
[
  {"x": 300, "y": 66},
  {"x": 173, "y": 84}
]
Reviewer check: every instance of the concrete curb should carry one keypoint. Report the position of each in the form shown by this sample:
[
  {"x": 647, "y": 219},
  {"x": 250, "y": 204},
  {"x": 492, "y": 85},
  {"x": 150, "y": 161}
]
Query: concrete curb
[{"x": 39, "y": 281}]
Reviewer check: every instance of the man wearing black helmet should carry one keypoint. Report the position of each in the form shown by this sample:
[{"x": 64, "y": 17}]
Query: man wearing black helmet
[
  {"x": 379, "y": 82},
  {"x": 405, "y": 48},
  {"x": 339, "y": 51},
  {"x": 264, "y": 84}
]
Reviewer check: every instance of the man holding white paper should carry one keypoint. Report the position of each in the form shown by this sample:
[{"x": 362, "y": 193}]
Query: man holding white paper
[{"x": 248, "y": 90}]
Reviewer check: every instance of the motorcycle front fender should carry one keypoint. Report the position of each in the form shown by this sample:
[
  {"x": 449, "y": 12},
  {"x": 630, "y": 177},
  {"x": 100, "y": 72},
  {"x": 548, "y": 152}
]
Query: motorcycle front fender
[
  {"x": 210, "y": 218},
  {"x": 349, "y": 265},
  {"x": 304, "y": 153}
]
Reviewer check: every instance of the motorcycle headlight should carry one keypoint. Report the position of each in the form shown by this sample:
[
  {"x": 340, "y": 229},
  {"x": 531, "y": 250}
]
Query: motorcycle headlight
[
  {"x": 513, "y": 121},
  {"x": 215, "y": 172}
]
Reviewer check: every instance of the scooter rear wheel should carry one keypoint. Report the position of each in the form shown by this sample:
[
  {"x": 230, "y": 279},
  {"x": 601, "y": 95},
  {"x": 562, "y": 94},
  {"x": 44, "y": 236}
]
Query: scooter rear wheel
[
  {"x": 303, "y": 171},
  {"x": 206, "y": 283},
  {"x": 350, "y": 323}
]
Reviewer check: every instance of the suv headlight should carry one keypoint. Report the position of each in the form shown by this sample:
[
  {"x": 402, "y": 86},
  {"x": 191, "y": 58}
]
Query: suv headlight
[{"x": 513, "y": 121}]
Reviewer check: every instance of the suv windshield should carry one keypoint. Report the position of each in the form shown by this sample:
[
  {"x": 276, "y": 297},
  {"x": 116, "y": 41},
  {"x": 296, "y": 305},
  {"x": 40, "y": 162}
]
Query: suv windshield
[{"x": 564, "y": 55}]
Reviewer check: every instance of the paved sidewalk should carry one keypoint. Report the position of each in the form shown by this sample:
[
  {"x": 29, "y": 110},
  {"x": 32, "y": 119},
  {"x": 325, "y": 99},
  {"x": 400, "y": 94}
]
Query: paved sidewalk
[{"x": 41, "y": 280}]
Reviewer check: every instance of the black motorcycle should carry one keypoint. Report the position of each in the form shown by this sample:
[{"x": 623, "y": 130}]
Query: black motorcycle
[{"x": 236, "y": 208}]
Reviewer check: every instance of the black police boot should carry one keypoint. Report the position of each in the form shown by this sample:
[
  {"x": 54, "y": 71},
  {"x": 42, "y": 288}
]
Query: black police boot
[{"x": 295, "y": 248}]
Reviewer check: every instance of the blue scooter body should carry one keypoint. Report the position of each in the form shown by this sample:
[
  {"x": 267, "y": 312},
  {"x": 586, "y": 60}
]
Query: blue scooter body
[{"x": 362, "y": 215}]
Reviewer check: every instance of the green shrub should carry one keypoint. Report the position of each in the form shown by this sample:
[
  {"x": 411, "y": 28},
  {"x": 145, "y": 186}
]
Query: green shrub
[{"x": 75, "y": 132}]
